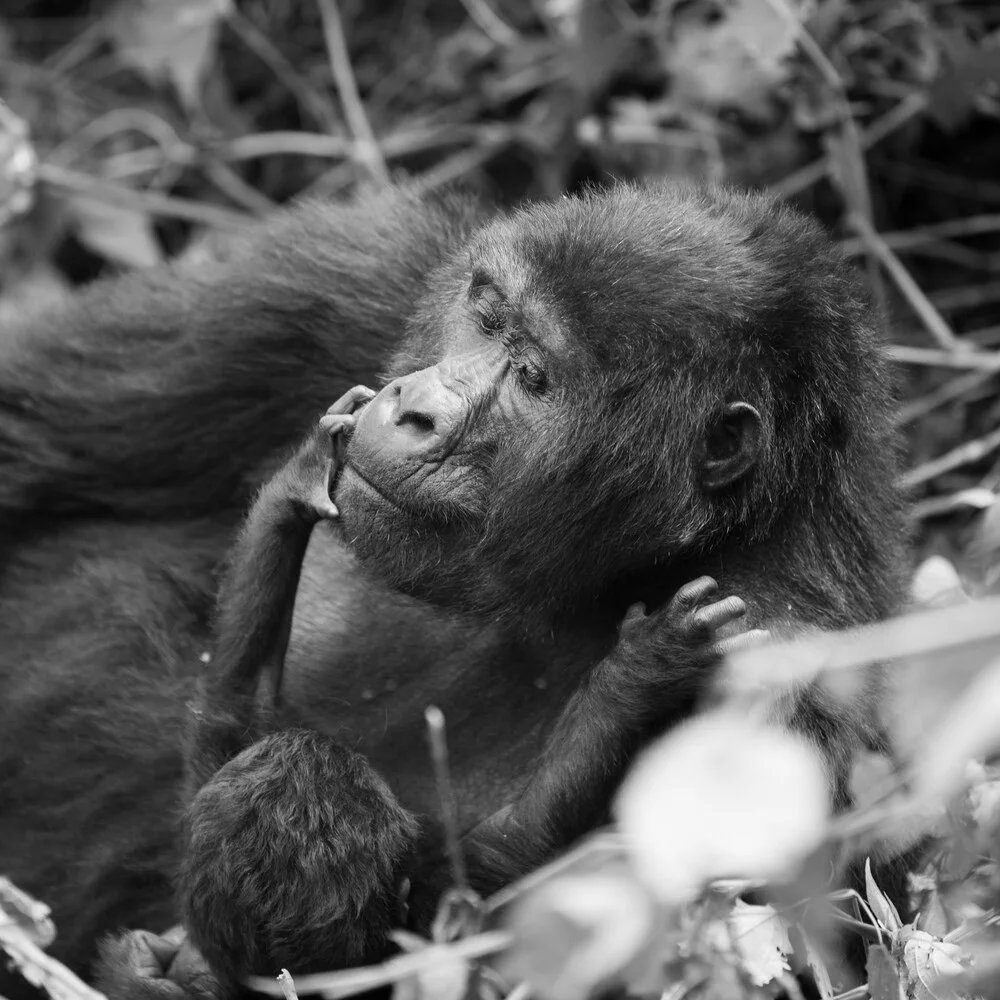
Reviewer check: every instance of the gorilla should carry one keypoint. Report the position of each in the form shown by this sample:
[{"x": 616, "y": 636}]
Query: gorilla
[{"x": 594, "y": 417}]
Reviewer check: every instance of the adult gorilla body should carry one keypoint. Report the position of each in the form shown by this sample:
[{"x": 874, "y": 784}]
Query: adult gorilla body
[{"x": 629, "y": 387}]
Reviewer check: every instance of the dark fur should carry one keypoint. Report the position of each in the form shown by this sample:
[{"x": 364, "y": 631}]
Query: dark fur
[{"x": 136, "y": 420}]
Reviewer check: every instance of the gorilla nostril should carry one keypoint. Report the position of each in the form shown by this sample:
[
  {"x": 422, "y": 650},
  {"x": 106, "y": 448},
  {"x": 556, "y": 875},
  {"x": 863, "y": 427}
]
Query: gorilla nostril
[{"x": 421, "y": 421}]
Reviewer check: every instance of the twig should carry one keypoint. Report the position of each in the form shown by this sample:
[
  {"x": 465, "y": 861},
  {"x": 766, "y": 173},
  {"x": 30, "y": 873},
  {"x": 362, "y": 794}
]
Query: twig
[
  {"x": 249, "y": 147},
  {"x": 975, "y": 225},
  {"x": 788, "y": 665},
  {"x": 490, "y": 24},
  {"x": 520, "y": 992},
  {"x": 976, "y": 498},
  {"x": 456, "y": 166},
  {"x": 986, "y": 361},
  {"x": 143, "y": 201},
  {"x": 64, "y": 59},
  {"x": 396, "y": 144},
  {"x": 964, "y": 454},
  {"x": 114, "y": 123},
  {"x": 287, "y": 985},
  {"x": 309, "y": 98},
  {"x": 446, "y": 794},
  {"x": 845, "y": 149},
  {"x": 952, "y": 389},
  {"x": 921, "y": 305},
  {"x": 349, "y": 982},
  {"x": 236, "y": 189},
  {"x": 366, "y": 146},
  {"x": 814, "y": 172},
  {"x": 41, "y": 970},
  {"x": 967, "y": 296}
]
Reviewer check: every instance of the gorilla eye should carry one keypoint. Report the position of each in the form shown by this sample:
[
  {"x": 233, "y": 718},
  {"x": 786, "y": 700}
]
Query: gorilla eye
[
  {"x": 491, "y": 308},
  {"x": 531, "y": 376}
]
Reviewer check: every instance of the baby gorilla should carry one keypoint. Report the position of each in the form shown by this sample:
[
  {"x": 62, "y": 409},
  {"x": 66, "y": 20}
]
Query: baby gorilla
[{"x": 292, "y": 857}]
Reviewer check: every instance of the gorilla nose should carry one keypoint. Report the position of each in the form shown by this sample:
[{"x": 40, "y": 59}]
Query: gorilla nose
[{"x": 403, "y": 419}]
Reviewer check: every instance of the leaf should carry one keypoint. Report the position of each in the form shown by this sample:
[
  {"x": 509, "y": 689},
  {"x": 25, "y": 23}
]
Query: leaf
[
  {"x": 966, "y": 70},
  {"x": 122, "y": 235},
  {"x": 169, "y": 39},
  {"x": 936, "y": 584},
  {"x": 881, "y": 906},
  {"x": 729, "y": 53},
  {"x": 444, "y": 978},
  {"x": 970, "y": 729},
  {"x": 761, "y": 940},
  {"x": 577, "y": 933},
  {"x": 821, "y": 975},
  {"x": 718, "y": 773},
  {"x": 30, "y": 916},
  {"x": 883, "y": 978},
  {"x": 931, "y": 963}
]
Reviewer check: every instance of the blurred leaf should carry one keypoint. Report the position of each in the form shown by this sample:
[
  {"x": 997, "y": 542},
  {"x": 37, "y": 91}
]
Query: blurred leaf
[
  {"x": 969, "y": 730},
  {"x": 884, "y": 911},
  {"x": 729, "y": 53},
  {"x": 596, "y": 47},
  {"x": 965, "y": 71},
  {"x": 970, "y": 630},
  {"x": 122, "y": 235},
  {"x": 821, "y": 975},
  {"x": 760, "y": 936},
  {"x": 18, "y": 166},
  {"x": 578, "y": 933},
  {"x": 169, "y": 39},
  {"x": 984, "y": 551},
  {"x": 722, "y": 772},
  {"x": 445, "y": 977},
  {"x": 31, "y": 917},
  {"x": 936, "y": 584}
]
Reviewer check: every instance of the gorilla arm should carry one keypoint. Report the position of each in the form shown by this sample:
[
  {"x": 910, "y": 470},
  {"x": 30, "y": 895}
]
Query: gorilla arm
[{"x": 161, "y": 392}]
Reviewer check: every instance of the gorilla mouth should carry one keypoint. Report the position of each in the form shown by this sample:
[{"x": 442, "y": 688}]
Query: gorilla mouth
[{"x": 371, "y": 487}]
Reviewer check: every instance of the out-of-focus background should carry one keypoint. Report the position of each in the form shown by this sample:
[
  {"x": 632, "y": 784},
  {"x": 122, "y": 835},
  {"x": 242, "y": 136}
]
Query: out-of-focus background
[{"x": 140, "y": 129}]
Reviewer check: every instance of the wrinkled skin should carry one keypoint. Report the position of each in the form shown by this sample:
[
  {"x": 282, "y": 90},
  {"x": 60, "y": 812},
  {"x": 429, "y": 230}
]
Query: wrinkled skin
[{"x": 638, "y": 396}]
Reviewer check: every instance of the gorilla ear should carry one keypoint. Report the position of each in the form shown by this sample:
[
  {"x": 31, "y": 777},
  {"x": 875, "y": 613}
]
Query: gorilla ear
[{"x": 732, "y": 446}]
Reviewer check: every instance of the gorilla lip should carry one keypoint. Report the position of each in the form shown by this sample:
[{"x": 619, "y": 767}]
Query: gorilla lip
[{"x": 358, "y": 474}]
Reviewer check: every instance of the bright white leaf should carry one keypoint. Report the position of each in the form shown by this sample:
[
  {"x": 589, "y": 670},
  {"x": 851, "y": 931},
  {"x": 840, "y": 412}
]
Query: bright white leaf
[
  {"x": 169, "y": 39},
  {"x": 445, "y": 977},
  {"x": 722, "y": 796},
  {"x": 760, "y": 937},
  {"x": 931, "y": 963},
  {"x": 936, "y": 584},
  {"x": 577, "y": 933},
  {"x": 970, "y": 729},
  {"x": 122, "y": 235}
]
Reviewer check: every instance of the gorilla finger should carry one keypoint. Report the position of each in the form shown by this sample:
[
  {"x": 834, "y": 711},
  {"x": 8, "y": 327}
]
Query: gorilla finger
[
  {"x": 745, "y": 640},
  {"x": 350, "y": 400},
  {"x": 714, "y": 616},
  {"x": 635, "y": 612},
  {"x": 321, "y": 503},
  {"x": 131, "y": 967},
  {"x": 334, "y": 423},
  {"x": 693, "y": 593}
]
